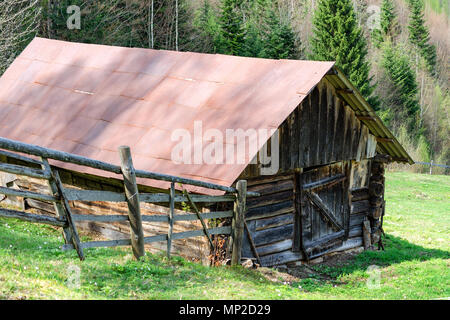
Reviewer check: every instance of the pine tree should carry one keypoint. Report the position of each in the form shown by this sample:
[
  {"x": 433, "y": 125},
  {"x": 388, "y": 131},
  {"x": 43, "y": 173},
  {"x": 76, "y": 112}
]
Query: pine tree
[
  {"x": 337, "y": 37},
  {"x": 388, "y": 19},
  {"x": 267, "y": 34},
  {"x": 403, "y": 103},
  {"x": 232, "y": 31},
  {"x": 206, "y": 29},
  {"x": 420, "y": 36},
  {"x": 280, "y": 39}
]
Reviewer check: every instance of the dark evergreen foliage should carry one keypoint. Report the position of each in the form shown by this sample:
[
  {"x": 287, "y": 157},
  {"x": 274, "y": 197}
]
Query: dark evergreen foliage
[
  {"x": 337, "y": 37},
  {"x": 420, "y": 36}
]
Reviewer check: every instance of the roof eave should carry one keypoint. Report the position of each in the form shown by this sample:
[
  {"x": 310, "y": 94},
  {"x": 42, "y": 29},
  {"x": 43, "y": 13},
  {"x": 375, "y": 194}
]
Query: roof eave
[{"x": 387, "y": 142}]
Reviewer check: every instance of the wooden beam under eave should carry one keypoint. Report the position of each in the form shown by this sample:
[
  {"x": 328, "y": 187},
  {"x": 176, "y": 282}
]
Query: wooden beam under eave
[
  {"x": 345, "y": 91},
  {"x": 380, "y": 139},
  {"x": 369, "y": 118}
]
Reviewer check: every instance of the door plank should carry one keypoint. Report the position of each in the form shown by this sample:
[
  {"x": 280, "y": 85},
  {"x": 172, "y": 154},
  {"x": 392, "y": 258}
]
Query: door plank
[{"x": 326, "y": 212}]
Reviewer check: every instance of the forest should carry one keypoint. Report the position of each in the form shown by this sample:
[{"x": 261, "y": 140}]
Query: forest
[{"x": 394, "y": 51}]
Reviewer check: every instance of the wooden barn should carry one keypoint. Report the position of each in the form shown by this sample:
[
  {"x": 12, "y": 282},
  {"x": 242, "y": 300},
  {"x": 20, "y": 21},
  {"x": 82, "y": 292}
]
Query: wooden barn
[{"x": 319, "y": 172}]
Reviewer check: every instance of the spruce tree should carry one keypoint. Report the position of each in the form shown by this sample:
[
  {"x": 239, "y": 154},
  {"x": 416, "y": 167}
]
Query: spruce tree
[
  {"x": 404, "y": 103},
  {"x": 267, "y": 34},
  {"x": 388, "y": 18},
  {"x": 420, "y": 36},
  {"x": 232, "y": 31},
  {"x": 337, "y": 37},
  {"x": 280, "y": 39},
  {"x": 206, "y": 28}
]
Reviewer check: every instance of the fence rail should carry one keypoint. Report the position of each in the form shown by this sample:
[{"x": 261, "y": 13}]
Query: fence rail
[
  {"x": 60, "y": 197},
  {"x": 432, "y": 164},
  {"x": 34, "y": 150}
]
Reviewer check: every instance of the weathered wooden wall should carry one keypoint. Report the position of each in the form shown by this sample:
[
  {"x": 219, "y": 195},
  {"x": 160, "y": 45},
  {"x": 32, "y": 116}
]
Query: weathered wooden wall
[
  {"x": 270, "y": 218},
  {"x": 321, "y": 130},
  {"x": 359, "y": 183}
]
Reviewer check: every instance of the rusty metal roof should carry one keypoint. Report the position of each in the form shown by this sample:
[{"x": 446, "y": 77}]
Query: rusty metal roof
[{"x": 90, "y": 99}]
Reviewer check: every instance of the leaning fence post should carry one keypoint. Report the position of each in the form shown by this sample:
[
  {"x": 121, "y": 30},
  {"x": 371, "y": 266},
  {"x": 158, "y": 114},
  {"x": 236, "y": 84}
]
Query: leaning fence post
[
  {"x": 238, "y": 221},
  {"x": 171, "y": 214},
  {"x": 132, "y": 195}
]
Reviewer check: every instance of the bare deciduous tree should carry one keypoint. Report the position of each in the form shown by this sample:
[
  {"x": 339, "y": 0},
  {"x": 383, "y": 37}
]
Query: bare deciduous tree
[{"x": 19, "y": 22}]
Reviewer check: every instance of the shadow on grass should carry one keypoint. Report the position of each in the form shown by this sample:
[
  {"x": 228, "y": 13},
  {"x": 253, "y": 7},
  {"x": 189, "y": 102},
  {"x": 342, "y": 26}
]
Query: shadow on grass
[
  {"x": 397, "y": 250},
  {"x": 112, "y": 273}
]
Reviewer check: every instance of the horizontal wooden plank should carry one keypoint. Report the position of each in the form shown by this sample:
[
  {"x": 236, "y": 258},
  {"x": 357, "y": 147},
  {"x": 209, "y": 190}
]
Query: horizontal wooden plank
[
  {"x": 360, "y": 194},
  {"x": 147, "y": 240},
  {"x": 19, "y": 157},
  {"x": 29, "y": 217},
  {"x": 99, "y": 218},
  {"x": 355, "y": 231},
  {"x": 269, "y": 210},
  {"x": 276, "y": 221},
  {"x": 324, "y": 182},
  {"x": 273, "y": 187},
  {"x": 349, "y": 244},
  {"x": 271, "y": 235},
  {"x": 27, "y": 194},
  {"x": 289, "y": 256},
  {"x": 275, "y": 247},
  {"x": 93, "y": 195},
  {"x": 323, "y": 240},
  {"x": 40, "y": 205},
  {"x": 208, "y": 215},
  {"x": 357, "y": 219},
  {"x": 168, "y": 178},
  {"x": 152, "y": 218},
  {"x": 360, "y": 206},
  {"x": 281, "y": 258},
  {"x": 24, "y": 171},
  {"x": 265, "y": 200},
  {"x": 197, "y": 233},
  {"x": 164, "y": 198},
  {"x": 155, "y": 218}
]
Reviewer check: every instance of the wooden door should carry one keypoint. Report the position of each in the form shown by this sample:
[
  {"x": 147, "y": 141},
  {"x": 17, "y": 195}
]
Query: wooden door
[{"x": 322, "y": 209}]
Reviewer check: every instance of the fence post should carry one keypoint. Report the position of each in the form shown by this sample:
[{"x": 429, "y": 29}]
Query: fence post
[
  {"x": 238, "y": 221},
  {"x": 431, "y": 167},
  {"x": 171, "y": 216},
  {"x": 59, "y": 209},
  {"x": 132, "y": 195}
]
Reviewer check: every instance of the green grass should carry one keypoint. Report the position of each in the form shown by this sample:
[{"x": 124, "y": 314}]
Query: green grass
[
  {"x": 438, "y": 6},
  {"x": 415, "y": 264}
]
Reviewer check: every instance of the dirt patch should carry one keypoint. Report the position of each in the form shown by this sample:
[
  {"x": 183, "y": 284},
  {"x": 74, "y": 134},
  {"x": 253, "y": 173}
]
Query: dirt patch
[
  {"x": 276, "y": 275},
  {"x": 294, "y": 273},
  {"x": 339, "y": 259}
]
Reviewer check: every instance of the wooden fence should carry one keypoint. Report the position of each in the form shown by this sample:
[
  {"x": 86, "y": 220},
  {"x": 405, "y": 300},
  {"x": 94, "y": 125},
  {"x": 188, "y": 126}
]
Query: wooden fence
[{"x": 60, "y": 197}]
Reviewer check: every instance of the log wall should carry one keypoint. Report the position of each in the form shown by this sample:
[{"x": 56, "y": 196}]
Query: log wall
[{"x": 270, "y": 218}]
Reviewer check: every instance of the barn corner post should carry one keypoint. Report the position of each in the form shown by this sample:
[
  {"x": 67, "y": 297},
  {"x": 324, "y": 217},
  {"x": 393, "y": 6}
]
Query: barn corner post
[
  {"x": 238, "y": 222},
  {"x": 132, "y": 196},
  {"x": 377, "y": 203}
]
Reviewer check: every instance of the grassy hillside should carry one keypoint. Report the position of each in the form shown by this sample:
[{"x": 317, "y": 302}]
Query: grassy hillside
[{"x": 415, "y": 264}]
